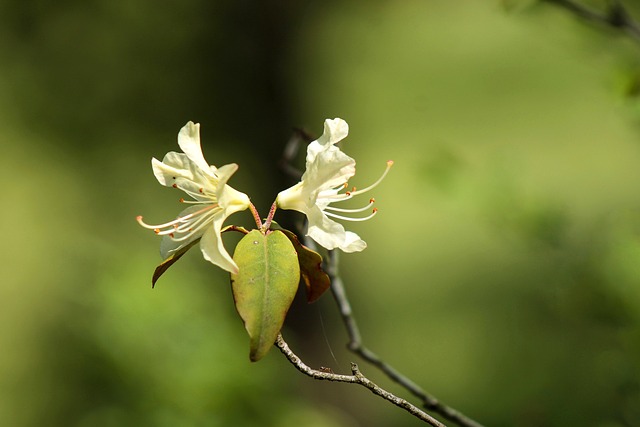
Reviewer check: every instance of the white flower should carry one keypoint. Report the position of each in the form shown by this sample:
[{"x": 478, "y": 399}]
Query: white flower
[
  {"x": 327, "y": 174},
  {"x": 213, "y": 200}
]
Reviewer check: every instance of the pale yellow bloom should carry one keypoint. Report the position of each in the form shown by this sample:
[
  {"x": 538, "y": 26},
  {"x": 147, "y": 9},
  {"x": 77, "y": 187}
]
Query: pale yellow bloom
[
  {"x": 213, "y": 200},
  {"x": 323, "y": 183}
]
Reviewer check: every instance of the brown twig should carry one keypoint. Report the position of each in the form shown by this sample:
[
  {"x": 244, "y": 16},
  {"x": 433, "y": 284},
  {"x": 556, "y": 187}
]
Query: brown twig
[
  {"x": 356, "y": 346},
  {"x": 615, "y": 16},
  {"x": 355, "y": 339},
  {"x": 356, "y": 378}
]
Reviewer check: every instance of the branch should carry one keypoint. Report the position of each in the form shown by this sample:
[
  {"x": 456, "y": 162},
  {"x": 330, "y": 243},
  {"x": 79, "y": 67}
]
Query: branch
[
  {"x": 355, "y": 339},
  {"x": 615, "y": 16},
  {"x": 356, "y": 378},
  {"x": 356, "y": 346}
]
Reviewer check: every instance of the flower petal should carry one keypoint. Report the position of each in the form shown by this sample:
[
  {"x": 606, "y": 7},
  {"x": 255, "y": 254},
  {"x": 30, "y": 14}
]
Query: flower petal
[
  {"x": 223, "y": 174},
  {"x": 232, "y": 200},
  {"x": 330, "y": 168},
  {"x": 213, "y": 249},
  {"x": 353, "y": 243},
  {"x": 177, "y": 169},
  {"x": 173, "y": 165},
  {"x": 189, "y": 142},
  {"x": 294, "y": 198},
  {"x": 229, "y": 199},
  {"x": 331, "y": 234},
  {"x": 325, "y": 231},
  {"x": 334, "y": 131}
]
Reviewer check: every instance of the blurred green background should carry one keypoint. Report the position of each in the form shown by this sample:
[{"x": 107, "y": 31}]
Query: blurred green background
[{"x": 503, "y": 269}]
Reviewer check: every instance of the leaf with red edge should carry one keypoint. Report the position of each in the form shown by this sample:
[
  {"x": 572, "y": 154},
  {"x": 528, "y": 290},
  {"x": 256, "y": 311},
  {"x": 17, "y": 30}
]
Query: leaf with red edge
[
  {"x": 315, "y": 279},
  {"x": 160, "y": 270}
]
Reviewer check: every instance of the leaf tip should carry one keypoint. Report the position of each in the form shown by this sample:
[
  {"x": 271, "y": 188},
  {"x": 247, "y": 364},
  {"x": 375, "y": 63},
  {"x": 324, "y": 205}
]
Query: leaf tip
[{"x": 256, "y": 354}]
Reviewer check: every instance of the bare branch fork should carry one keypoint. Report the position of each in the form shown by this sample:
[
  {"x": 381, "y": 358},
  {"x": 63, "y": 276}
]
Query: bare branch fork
[
  {"x": 355, "y": 343},
  {"x": 615, "y": 16},
  {"x": 356, "y": 378}
]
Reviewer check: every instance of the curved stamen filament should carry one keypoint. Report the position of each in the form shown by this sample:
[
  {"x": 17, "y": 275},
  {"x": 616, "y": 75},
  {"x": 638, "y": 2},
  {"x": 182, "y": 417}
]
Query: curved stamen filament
[
  {"x": 355, "y": 210},
  {"x": 346, "y": 218},
  {"x": 194, "y": 223},
  {"x": 375, "y": 184},
  {"x": 339, "y": 197},
  {"x": 165, "y": 225},
  {"x": 191, "y": 231},
  {"x": 180, "y": 220}
]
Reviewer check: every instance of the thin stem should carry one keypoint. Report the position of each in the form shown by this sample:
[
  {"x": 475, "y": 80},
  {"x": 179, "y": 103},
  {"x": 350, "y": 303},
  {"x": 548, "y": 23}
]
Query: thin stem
[
  {"x": 272, "y": 212},
  {"x": 356, "y": 378},
  {"x": 256, "y": 215},
  {"x": 356, "y": 346},
  {"x": 346, "y": 312},
  {"x": 235, "y": 228}
]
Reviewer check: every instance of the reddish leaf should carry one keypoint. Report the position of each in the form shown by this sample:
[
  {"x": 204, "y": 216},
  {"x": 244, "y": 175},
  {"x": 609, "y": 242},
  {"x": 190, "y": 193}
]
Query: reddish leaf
[
  {"x": 160, "y": 270},
  {"x": 315, "y": 279}
]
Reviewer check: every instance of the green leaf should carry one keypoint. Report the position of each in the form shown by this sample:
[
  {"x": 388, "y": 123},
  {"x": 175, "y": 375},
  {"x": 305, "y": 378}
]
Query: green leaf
[
  {"x": 315, "y": 279},
  {"x": 160, "y": 270},
  {"x": 264, "y": 287}
]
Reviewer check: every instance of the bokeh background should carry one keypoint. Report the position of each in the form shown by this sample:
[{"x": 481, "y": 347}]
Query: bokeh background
[{"x": 503, "y": 269}]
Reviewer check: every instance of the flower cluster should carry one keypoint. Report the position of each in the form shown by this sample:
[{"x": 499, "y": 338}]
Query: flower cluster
[{"x": 323, "y": 184}]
